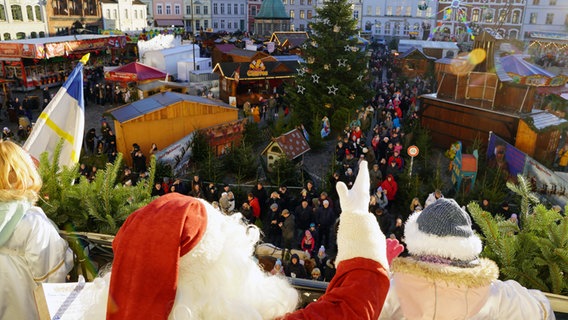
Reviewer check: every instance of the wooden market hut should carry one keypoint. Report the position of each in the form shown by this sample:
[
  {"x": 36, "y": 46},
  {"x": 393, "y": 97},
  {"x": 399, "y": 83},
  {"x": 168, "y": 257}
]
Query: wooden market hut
[
  {"x": 291, "y": 144},
  {"x": 473, "y": 99},
  {"x": 165, "y": 118},
  {"x": 415, "y": 62},
  {"x": 537, "y": 137},
  {"x": 248, "y": 80}
]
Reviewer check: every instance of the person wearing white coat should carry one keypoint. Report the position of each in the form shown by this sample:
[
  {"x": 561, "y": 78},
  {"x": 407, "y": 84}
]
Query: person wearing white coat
[{"x": 31, "y": 250}]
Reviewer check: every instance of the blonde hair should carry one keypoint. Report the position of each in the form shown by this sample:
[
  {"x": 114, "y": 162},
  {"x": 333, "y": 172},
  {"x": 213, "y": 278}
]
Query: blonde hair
[{"x": 19, "y": 179}]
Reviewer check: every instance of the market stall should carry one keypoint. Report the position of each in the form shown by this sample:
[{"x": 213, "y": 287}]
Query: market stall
[{"x": 41, "y": 62}]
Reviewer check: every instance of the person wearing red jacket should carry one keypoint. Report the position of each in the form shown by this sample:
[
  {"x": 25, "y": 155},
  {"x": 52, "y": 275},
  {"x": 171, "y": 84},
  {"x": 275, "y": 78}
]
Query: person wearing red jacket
[
  {"x": 390, "y": 186},
  {"x": 254, "y": 205}
]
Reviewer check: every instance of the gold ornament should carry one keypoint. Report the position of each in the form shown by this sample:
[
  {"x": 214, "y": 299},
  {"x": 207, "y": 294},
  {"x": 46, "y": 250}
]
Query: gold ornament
[
  {"x": 327, "y": 105},
  {"x": 352, "y": 96},
  {"x": 326, "y": 66}
]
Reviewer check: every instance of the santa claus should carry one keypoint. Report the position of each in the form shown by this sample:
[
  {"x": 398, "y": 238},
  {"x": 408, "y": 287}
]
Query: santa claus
[{"x": 179, "y": 258}]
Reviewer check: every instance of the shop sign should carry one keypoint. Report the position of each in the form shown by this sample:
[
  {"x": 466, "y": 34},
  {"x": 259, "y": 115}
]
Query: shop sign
[{"x": 257, "y": 69}]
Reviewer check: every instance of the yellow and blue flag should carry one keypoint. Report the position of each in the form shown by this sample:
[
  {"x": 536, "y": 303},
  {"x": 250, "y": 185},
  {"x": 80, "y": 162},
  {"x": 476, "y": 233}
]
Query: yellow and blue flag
[{"x": 63, "y": 118}]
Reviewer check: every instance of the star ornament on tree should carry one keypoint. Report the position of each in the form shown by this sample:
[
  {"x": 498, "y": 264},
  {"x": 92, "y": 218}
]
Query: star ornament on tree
[
  {"x": 305, "y": 46},
  {"x": 360, "y": 77},
  {"x": 301, "y": 71},
  {"x": 332, "y": 89},
  {"x": 301, "y": 89},
  {"x": 347, "y": 48},
  {"x": 342, "y": 62},
  {"x": 315, "y": 78}
]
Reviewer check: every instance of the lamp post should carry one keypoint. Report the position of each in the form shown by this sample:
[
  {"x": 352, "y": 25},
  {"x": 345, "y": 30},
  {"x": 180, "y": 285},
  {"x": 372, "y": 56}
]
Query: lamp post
[{"x": 197, "y": 2}]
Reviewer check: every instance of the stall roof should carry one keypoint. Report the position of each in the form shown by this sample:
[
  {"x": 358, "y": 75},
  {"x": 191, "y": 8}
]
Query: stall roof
[
  {"x": 405, "y": 44},
  {"x": 292, "y": 39},
  {"x": 415, "y": 50},
  {"x": 517, "y": 65},
  {"x": 134, "y": 71},
  {"x": 57, "y": 39},
  {"x": 156, "y": 102},
  {"x": 293, "y": 143},
  {"x": 45, "y": 48},
  {"x": 542, "y": 119},
  {"x": 159, "y": 83}
]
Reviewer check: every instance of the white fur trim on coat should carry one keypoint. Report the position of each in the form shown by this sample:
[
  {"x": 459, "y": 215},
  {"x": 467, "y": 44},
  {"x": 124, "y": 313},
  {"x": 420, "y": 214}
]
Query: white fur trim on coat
[{"x": 419, "y": 243}]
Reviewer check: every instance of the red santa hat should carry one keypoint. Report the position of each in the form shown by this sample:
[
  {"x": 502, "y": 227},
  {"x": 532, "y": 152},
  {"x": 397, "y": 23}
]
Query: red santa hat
[{"x": 147, "y": 249}]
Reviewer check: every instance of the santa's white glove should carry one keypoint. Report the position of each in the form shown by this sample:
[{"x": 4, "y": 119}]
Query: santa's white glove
[{"x": 359, "y": 234}]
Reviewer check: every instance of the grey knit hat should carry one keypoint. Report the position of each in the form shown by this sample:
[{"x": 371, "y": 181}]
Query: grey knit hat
[{"x": 442, "y": 229}]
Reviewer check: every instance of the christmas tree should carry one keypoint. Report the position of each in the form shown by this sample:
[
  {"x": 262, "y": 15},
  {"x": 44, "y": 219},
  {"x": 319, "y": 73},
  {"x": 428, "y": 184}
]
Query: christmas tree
[{"x": 332, "y": 79}]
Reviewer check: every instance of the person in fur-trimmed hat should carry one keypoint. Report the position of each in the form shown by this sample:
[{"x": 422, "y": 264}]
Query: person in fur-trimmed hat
[
  {"x": 444, "y": 278},
  {"x": 179, "y": 258}
]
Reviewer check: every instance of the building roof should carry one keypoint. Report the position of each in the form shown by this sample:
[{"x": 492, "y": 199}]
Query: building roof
[
  {"x": 293, "y": 143},
  {"x": 517, "y": 65},
  {"x": 156, "y": 102},
  {"x": 272, "y": 9},
  {"x": 290, "y": 39}
]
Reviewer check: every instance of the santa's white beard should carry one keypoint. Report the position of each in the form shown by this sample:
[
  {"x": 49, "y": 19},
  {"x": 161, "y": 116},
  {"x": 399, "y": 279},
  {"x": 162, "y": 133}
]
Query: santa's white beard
[{"x": 218, "y": 279}]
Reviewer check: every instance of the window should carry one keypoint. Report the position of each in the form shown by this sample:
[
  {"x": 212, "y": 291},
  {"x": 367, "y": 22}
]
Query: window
[
  {"x": 33, "y": 34},
  {"x": 389, "y": 11},
  {"x": 292, "y": 2},
  {"x": 236, "y": 10},
  {"x": 292, "y": 27},
  {"x": 253, "y": 11},
  {"x": 309, "y": 14},
  {"x": 126, "y": 13},
  {"x": 7, "y": 36},
  {"x": 2, "y": 13},
  {"x": 229, "y": 24},
  {"x": 42, "y": 34},
  {"x": 309, "y": 2},
  {"x": 30, "y": 12},
  {"x": 536, "y": 2},
  {"x": 355, "y": 14},
  {"x": 197, "y": 24},
  {"x": 17, "y": 13},
  {"x": 222, "y": 9},
  {"x": 302, "y": 14},
  {"x": 301, "y": 3},
  {"x": 168, "y": 9},
  {"x": 502, "y": 15},
  {"x": 177, "y": 9},
  {"x": 188, "y": 10},
  {"x": 159, "y": 9},
  {"x": 396, "y": 28},
  {"x": 114, "y": 13},
  {"x": 20, "y": 35},
  {"x": 229, "y": 10},
  {"x": 378, "y": 28},
  {"x": 284, "y": 1},
  {"x": 406, "y": 29},
  {"x": 38, "y": 15},
  {"x": 135, "y": 14},
  {"x": 377, "y": 10},
  {"x": 222, "y": 24},
  {"x": 215, "y": 11},
  {"x": 408, "y": 12},
  {"x": 90, "y": 7},
  {"x": 549, "y": 18},
  {"x": 566, "y": 20},
  {"x": 387, "y": 28},
  {"x": 516, "y": 16},
  {"x": 416, "y": 27},
  {"x": 205, "y": 9},
  {"x": 107, "y": 13},
  {"x": 398, "y": 11},
  {"x": 59, "y": 7},
  {"x": 242, "y": 9},
  {"x": 197, "y": 9},
  {"x": 292, "y": 15},
  {"x": 215, "y": 25},
  {"x": 205, "y": 24},
  {"x": 368, "y": 11},
  {"x": 302, "y": 27},
  {"x": 489, "y": 15},
  {"x": 552, "y": 2},
  {"x": 475, "y": 15},
  {"x": 533, "y": 18}
]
